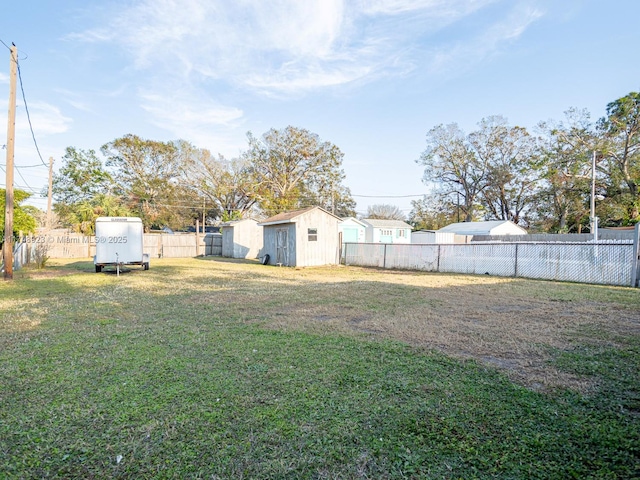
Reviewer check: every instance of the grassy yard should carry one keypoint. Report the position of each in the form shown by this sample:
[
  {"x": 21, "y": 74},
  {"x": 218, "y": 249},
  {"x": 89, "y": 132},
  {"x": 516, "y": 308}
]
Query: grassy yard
[{"x": 210, "y": 368}]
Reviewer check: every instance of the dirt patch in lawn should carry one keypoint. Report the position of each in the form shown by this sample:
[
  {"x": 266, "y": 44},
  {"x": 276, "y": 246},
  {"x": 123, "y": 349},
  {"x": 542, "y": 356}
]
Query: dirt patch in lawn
[{"x": 515, "y": 325}]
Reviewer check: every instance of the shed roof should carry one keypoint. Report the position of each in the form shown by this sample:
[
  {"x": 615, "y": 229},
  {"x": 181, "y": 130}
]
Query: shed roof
[
  {"x": 290, "y": 217},
  {"x": 231, "y": 223},
  {"x": 354, "y": 220},
  {"x": 492, "y": 227},
  {"x": 385, "y": 223}
]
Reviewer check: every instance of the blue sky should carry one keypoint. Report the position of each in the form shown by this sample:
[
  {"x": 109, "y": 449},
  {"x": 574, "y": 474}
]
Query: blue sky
[{"x": 372, "y": 77}]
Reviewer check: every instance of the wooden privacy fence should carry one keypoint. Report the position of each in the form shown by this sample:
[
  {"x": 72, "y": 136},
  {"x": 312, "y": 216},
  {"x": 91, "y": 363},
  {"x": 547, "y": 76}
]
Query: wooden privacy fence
[
  {"x": 60, "y": 244},
  {"x": 23, "y": 254},
  {"x": 599, "y": 263}
]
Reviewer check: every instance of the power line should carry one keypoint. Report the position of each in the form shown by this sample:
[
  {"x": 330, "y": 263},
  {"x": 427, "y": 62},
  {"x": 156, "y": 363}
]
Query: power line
[
  {"x": 26, "y": 108},
  {"x": 28, "y": 166},
  {"x": 23, "y": 179}
]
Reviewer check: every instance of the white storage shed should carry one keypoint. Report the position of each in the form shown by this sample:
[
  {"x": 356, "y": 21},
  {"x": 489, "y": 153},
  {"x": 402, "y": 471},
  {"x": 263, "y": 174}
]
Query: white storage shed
[
  {"x": 432, "y": 236},
  {"x": 302, "y": 238},
  {"x": 241, "y": 239}
]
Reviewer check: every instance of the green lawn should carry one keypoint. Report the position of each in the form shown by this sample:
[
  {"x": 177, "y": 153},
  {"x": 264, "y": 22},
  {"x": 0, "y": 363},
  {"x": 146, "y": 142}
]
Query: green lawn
[{"x": 205, "y": 368}]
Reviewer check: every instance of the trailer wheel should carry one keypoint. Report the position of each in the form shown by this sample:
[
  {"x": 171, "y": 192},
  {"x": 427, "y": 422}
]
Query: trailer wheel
[
  {"x": 145, "y": 266},
  {"x": 98, "y": 268},
  {"x": 265, "y": 259}
]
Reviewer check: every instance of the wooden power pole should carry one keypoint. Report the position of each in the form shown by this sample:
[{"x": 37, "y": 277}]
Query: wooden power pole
[{"x": 11, "y": 131}]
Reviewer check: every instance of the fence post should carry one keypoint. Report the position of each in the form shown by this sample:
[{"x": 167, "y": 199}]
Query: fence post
[
  {"x": 515, "y": 269},
  {"x": 384, "y": 257},
  {"x": 635, "y": 268}
]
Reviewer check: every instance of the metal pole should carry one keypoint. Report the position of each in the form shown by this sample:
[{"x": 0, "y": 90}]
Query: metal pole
[
  {"x": 635, "y": 270},
  {"x": 594, "y": 219}
]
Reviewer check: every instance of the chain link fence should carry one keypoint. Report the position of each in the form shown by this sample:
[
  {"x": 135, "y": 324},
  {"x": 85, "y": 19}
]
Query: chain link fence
[{"x": 597, "y": 263}]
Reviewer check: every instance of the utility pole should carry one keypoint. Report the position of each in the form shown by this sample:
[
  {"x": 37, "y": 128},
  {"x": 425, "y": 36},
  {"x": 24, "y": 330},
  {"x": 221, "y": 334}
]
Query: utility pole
[
  {"x": 204, "y": 210},
  {"x": 11, "y": 131},
  {"x": 594, "y": 219},
  {"x": 50, "y": 195}
]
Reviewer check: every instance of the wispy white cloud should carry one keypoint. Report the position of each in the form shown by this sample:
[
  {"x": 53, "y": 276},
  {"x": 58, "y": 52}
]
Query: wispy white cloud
[
  {"x": 432, "y": 8},
  {"x": 86, "y": 101},
  {"x": 46, "y": 119},
  {"x": 188, "y": 111},
  {"x": 197, "y": 118},
  {"x": 290, "y": 47},
  {"x": 4, "y": 78},
  {"x": 470, "y": 51},
  {"x": 283, "y": 46}
]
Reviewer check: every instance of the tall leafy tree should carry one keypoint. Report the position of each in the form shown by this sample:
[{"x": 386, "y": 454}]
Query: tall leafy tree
[
  {"x": 453, "y": 167},
  {"x": 83, "y": 217},
  {"x": 509, "y": 156},
  {"x": 23, "y": 221},
  {"x": 621, "y": 131},
  {"x": 566, "y": 169},
  {"x": 148, "y": 176},
  {"x": 225, "y": 184},
  {"x": 433, "y": 212},
  {"x": 333, "y": 197},
  {"x": 491, "y": 170},
  {"x": 386, "y": 212},
  {"x": 80, "y": 179},
  {"x": 292, "y": 166}
]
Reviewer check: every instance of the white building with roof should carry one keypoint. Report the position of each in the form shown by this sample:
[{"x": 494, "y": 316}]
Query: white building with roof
[
  {"x": 301, "y": 238},
  {"x": 386, "y": 231},
  {"x": 352, "y": 230},
  {"x": 492, "y": 227},
  {"x": 241, "y": 239},
  {"x": 422, "y": 237}
]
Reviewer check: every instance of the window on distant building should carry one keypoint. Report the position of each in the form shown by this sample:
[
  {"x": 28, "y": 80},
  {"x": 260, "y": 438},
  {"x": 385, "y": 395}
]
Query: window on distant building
[{"x": 313, "y": 234}]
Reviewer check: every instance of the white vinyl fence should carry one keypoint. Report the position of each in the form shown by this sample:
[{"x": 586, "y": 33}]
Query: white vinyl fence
[{"x": 598, "y": 263}]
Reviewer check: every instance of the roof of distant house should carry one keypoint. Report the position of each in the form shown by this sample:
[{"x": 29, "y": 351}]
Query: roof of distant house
[
  {"x": 492, "y": 227},
  {"x": 385, "y": 223},
  {"x": 354, "y": 220}
]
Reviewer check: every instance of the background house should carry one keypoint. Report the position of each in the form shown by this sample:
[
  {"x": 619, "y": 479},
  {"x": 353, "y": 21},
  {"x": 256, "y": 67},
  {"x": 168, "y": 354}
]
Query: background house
[
  {"x": 352, "y": 230},
  {"x": 302, "y": 238},
  {"x": 432, "y": 236},
  {"x": 241, "y": 239},
  {"x": 386, "y": 231},
  {"x": 493, "y": 227}
]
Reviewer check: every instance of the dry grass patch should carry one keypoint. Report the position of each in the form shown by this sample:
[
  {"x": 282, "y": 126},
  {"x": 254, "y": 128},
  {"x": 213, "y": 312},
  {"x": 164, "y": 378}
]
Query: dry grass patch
[
  {"x": 515, "y": 325},
  {"x": 512, "y": 324}
]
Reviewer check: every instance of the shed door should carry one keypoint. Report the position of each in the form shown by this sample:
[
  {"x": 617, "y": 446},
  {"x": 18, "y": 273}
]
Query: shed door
[{"x": 282, "y": 254}]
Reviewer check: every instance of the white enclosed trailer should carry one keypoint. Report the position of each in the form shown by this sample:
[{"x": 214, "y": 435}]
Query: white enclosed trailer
[{"x": 119, "y": 242}]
